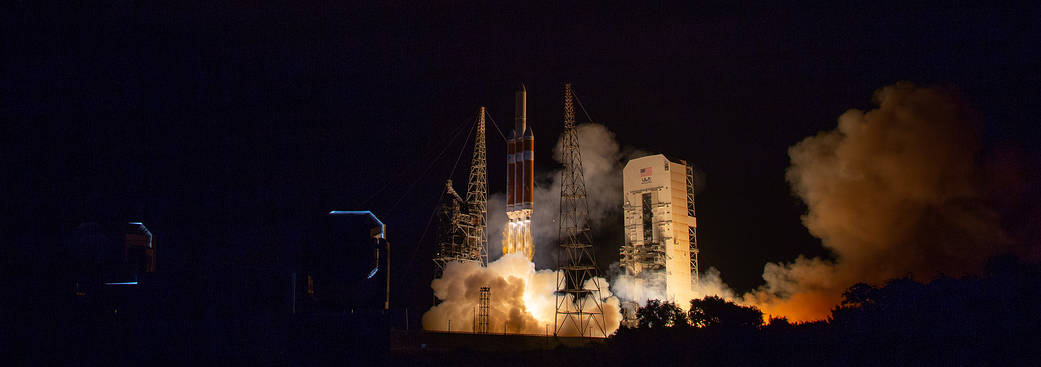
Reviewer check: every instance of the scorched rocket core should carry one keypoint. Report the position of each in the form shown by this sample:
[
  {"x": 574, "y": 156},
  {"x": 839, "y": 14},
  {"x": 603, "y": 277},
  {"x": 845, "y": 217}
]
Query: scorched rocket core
[{"x": 520, "y": 181}]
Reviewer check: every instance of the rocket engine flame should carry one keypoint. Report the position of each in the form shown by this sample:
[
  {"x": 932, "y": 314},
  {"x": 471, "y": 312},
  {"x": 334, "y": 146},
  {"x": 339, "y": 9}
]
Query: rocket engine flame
[
  {"x": 520, "y": 182},
  {"x": 521, "y": 301}
]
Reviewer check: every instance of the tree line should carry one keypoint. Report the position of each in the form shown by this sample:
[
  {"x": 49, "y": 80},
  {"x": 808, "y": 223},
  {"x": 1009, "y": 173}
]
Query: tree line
[{"x": 990, "y": 319}]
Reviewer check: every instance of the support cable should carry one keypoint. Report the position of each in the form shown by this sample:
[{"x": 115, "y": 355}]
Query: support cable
[
  {"x": 430, "y": 219},
  {"x": 386, "y": 183},
  {"x": 419, "y": 243},
  {"x": 496, "y": 127},
  {"x": 462, "y": 149},
  {"x": 581, "y": 106},
  {"x": 431, "y": 165}
]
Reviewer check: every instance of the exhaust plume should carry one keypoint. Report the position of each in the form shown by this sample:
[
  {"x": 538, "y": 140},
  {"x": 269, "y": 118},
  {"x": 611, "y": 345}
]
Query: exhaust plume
[
  {"x": 893, "y": 191},
  {"x": 521, "y": 299}
]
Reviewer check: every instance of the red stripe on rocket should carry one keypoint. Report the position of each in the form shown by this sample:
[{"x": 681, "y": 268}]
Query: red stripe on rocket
[
  {"x": 510, "y": 172},
  {"x": 520, "y": 158}
]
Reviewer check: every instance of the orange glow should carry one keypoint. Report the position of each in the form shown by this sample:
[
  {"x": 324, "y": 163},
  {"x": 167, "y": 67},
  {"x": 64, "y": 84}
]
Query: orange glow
[{"x": 800, "y": 307}]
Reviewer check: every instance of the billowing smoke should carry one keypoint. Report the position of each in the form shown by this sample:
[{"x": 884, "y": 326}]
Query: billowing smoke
[
  {"x": 521, "y": 299},
  {"x": 652, "y": 286},
  {"x": 893, "y": 191}
]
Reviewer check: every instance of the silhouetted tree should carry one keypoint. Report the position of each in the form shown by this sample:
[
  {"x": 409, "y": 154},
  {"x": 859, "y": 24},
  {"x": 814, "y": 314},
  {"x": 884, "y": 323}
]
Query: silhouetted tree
[
  {"x": 901, "y": 303},
  {"x": 779, "y": 324},
  {"x": 714, "y": 311},
  {"x": 658, "y": 314}
]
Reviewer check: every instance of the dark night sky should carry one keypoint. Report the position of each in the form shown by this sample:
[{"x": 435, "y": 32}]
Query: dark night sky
[{"x": 226, "y": 129}]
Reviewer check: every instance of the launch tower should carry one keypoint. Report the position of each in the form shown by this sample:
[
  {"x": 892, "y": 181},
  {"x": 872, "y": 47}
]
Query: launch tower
[
  {"x": 463, "y": 223},
  {"x": 520, "y": 181}
]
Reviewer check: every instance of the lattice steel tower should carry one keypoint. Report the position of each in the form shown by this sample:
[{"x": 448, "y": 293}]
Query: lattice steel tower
[
  {"x": 477, "y": 193},
  {"x": 482, "y": 316},
  {"x": 463, "y": 234},
  {"x": 578, "y": 306},
  {"x": 692, "y": 231}
]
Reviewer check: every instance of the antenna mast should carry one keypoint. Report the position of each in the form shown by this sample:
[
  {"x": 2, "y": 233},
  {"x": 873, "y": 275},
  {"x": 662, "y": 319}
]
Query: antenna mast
[{"x": 477, "y": 194}]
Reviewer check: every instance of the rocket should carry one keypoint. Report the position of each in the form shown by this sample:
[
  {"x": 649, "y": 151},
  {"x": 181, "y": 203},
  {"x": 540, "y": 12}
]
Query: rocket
[
  {"x": 520, "y": 181},
  {"x": 520, "y": 159}
]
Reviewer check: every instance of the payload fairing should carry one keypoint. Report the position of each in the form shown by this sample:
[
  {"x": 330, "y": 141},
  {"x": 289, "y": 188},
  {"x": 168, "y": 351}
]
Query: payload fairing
[{"x": 520, "y": 181}]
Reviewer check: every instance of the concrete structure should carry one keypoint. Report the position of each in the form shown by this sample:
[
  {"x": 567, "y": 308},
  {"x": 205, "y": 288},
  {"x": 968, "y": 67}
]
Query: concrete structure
[
  {"x": 660, "y": 247},
  {"x": 520, "y": 181}
]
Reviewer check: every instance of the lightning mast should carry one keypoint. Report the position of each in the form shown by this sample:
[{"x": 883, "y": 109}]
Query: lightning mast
[
  {"x": 477, "y": 194},
  {"x": 578, "y": 308}
]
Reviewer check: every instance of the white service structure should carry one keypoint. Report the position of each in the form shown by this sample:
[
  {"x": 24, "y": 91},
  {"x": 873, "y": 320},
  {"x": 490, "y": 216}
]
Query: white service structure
[{"x": 660, "y": 247}]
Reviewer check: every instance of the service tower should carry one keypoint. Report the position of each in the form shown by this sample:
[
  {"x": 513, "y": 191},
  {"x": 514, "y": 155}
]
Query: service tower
[
  {"x": 520, "y": 181},
  {"x": 661, "y": 243}
]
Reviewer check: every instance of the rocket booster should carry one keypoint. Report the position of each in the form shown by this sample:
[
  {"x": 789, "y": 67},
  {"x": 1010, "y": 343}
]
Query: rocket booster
[
  {"x": 520, "y": 180},
  {"x": 520, "y": 158}
]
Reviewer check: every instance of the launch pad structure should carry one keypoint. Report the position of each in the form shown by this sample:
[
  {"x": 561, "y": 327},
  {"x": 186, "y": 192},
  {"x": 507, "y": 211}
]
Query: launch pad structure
[
  {"x": 483, "y": 304},
  {"x": 463, "y": 223}
]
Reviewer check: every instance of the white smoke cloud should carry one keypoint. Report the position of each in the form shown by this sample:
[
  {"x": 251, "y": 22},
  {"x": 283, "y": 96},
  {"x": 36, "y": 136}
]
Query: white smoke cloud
[
  {"x": 651, "y": 285},
  {"x": 521, "y": 299}
]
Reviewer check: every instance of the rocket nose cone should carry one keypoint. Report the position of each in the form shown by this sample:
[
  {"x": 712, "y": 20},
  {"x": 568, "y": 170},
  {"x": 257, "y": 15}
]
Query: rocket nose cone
[{"x": 522, "y": 88}]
